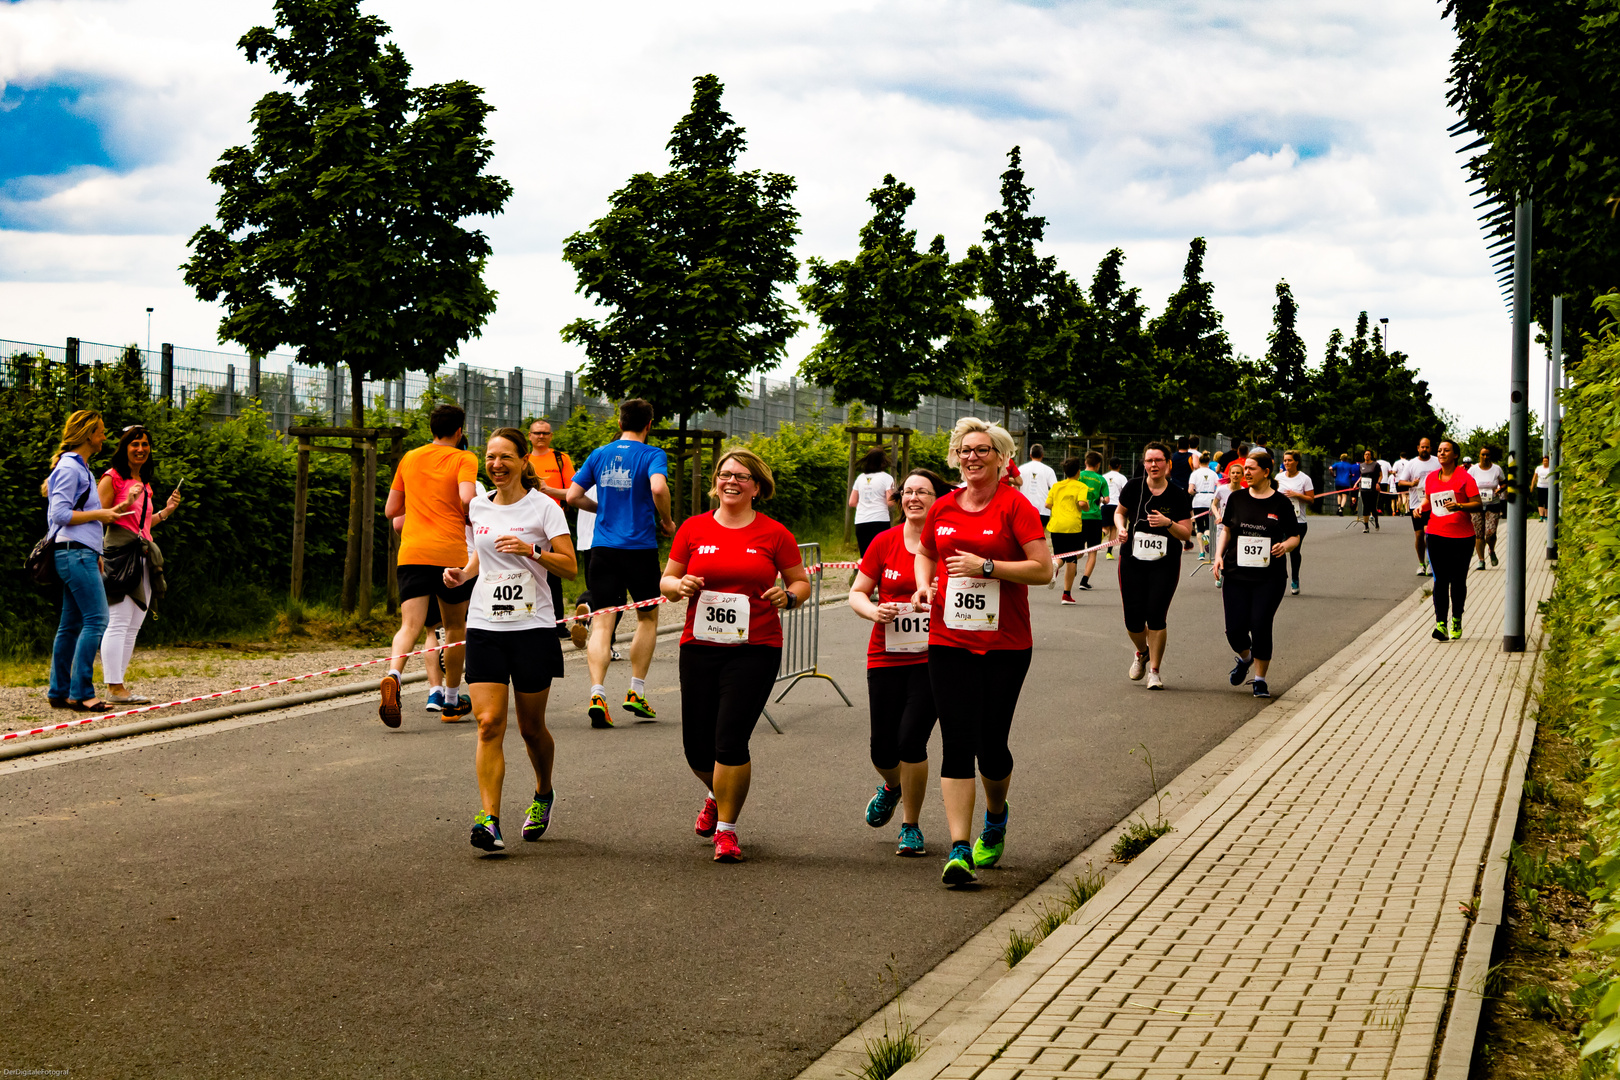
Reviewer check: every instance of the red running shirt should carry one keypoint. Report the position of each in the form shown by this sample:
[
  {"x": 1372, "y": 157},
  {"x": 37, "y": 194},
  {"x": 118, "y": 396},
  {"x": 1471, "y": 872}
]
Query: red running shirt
[
  {"x": 997, "y": 532},
  {"x": 1456, "y": 524},
  {"x": 888, "y": 563},
  {"x": 745, "y": 560}
]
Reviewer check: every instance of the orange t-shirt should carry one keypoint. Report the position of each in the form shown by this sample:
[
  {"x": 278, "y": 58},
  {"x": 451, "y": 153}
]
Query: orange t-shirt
[
  {"x": 435, "y": 521},
  {"x": 546, "y": 468}
]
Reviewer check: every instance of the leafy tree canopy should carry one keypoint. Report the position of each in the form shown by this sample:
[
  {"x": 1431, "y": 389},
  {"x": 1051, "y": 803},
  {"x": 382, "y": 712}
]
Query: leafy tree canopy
[
  {"x": 338, "y": 225},
  {"x": 1201, "y": 374},
  {"x": 690, "y": 265}
]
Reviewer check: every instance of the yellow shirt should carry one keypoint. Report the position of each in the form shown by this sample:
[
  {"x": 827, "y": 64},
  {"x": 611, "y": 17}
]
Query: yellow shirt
[
  {"x": 435, "y": 521},
  {"x": 1064, "y": 500}
]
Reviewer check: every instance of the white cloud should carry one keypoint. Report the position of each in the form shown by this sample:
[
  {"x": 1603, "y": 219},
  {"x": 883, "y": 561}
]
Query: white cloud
[{"x": 1305, "y": 140}]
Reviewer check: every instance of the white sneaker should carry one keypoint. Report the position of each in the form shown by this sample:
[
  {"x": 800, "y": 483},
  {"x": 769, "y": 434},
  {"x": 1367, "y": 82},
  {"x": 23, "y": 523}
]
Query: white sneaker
[
  {"x": 1154, "y": 682},
  {"x": 1138, "y": 666},
  {"x": 1422, "y": 571}
]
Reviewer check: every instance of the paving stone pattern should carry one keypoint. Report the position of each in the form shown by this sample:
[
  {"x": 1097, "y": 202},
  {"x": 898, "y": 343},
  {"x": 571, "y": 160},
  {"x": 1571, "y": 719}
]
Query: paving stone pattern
[{"x": 1307, "y": 918}]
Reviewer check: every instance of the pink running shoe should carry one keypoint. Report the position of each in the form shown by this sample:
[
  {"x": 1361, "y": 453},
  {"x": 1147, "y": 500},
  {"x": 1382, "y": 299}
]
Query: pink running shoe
[
  {"x": 726, "y": 848},
  {"x": 707, "y": 818}
]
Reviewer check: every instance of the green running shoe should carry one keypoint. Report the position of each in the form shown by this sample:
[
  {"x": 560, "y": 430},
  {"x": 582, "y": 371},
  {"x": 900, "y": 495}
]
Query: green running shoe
[
  {"x": 1456, "y": 628},
  {"x": 911, "y": 842},
  {"x": 959, "y": 867},
  {"x": 1440, "y": 633},
  {"x": 538, "y": 819},
  {"x": 638, "y": 704},
  {"x": 992, "y": 841},
  {"x": 881, "y": 808},
  {"x": 486, "y": 833}
]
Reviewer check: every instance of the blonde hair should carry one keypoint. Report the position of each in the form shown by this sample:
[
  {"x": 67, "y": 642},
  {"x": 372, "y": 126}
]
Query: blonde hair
[
  {"x": 999, "y": 438},
  {"x": 76, "y": 432},
  {"x": 756, "y": 467},
  {"x": 531, "y": 479}
]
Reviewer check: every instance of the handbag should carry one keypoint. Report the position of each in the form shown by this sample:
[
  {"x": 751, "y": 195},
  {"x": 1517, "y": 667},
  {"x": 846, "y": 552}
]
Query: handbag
[{"x": 41, "y": 562}]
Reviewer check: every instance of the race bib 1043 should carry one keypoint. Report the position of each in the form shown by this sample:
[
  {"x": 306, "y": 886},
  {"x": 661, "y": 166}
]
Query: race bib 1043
[
  {"x": 972, "y": 603},
  {"x": 1149, "y": 547},
  {"x": 907, "y": 634},
  {"x": 721, "y": 617},
  {"x": 506, "y": 596}
]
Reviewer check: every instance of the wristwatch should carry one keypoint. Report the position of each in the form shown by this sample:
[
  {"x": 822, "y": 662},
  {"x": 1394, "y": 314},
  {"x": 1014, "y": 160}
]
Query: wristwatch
[
  {"x": 989, "y": 567},
  {"x": 534, "y": 552}
]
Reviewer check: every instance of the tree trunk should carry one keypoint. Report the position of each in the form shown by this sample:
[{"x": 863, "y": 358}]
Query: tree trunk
[
  {"x": 880, "y": 419},
  {"x": 358, "y": 498}
]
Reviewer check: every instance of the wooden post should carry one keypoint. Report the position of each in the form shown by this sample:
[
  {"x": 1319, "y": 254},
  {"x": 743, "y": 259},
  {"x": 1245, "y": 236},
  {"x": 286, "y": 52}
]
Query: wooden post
[
  {"x": 395, "y": 452},
  {"x": 849, "y": 485},
  {"x": 351, "y": 558},
  {"x": 300, "y": 508},
  {"x": 368, "y": 526}
]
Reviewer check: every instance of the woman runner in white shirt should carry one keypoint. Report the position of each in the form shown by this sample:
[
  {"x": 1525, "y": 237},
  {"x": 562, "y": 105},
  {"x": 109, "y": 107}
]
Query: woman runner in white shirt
[
  {"x": 1301, "y": 492},
  {"x": 519, "y": 537},
  {"x": 871, "y": 497}
]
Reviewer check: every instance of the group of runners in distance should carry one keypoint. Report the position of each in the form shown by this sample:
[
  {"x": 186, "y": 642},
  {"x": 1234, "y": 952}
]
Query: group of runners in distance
[{"x": 947, "y": 591}]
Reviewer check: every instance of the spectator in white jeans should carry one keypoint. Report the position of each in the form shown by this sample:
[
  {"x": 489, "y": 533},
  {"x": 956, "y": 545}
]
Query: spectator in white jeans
[{"x": 129, "y": 477}]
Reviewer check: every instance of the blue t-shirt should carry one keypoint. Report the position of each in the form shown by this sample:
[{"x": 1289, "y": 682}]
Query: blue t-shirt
[
  {"x": 1345, "y": 474},
  {"x": 622, "y": 472}
]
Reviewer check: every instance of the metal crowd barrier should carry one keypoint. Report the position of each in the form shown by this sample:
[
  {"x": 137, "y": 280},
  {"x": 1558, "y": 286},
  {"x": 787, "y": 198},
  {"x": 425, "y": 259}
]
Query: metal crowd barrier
[{"x": 801, "y": 638}]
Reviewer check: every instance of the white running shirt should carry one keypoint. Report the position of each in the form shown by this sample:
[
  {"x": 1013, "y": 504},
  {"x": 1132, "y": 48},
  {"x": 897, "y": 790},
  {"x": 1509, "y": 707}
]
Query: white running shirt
[
  {"x": 1488, "y": 480},
  {"x": 533, "y": 518},
  {"x": 1417, "y": 471},
  {"x": 1038, "y": 480},
  {"x": 1385, "y": 471},
  {"x": 1542, "y": 472},
  {"x": 1202, "y": 484},
  {"x": 1299, "y": 490},
  {"x": 872, "y": 494},
  {"x": 585, "y": 524},
  {"x": 1116, "y": 484}
]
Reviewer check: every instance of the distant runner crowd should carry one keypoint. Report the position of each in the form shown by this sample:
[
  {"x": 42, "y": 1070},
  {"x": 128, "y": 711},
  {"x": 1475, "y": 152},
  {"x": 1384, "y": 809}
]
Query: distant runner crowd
[{"x": 947, "y": 589}]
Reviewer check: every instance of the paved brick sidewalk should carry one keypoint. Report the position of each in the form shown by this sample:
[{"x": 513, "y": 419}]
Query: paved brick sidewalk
[{"x": 1307, "y": 918}]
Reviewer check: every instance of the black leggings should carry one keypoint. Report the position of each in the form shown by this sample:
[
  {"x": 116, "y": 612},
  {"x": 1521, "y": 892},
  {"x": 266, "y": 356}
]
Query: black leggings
[
  {"x": 1250, "y": 608},
  {"x": 867, "y": 531},
  {"x": 976, "y": 695},
  {"x": 724, "y": 688},
  {"x": 1294, "y": 556},
  {"x": 1449, "y": 556},
  {"x": 1146, "y": 589},
  {"x": 902, "y": 703}
]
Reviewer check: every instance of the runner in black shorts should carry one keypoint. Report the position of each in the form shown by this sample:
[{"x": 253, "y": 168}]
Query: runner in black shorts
[
  {"x": 520, "y": 538},
  {"x": 1155, "y": 519}
]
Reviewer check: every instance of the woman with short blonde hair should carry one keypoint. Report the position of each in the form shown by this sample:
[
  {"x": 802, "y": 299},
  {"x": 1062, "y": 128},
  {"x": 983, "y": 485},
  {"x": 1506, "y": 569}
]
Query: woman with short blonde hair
[{"x": 1003, "y": 442}]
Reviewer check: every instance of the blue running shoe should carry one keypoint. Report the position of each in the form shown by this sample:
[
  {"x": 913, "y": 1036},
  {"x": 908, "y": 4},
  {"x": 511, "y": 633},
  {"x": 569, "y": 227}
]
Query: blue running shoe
[
  {"x": 539, "y": 816},
  {"x": 486, "y": 833},
  {"x": 959, "y": 867},
  {"x": 992, "y": 841},
  {"x": 881, "y": 808},
  {"x": 435, "y": 701},
  {"x": 911, "y": 842},
  {"x": 1260, "y": 688},
  {"x": 1240, "y": 670}
]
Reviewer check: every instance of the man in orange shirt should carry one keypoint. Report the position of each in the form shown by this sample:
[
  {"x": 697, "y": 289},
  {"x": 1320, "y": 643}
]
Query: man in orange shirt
[
  {"x": 431, "y": 490},
  {"x": 556, "y": 471}
]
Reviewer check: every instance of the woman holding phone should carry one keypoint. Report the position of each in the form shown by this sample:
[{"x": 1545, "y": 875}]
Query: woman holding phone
[{"x": 130, "y": 537}]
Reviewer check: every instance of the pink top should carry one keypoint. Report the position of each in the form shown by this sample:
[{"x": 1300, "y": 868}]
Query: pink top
[{"x": 139, "y": 519}]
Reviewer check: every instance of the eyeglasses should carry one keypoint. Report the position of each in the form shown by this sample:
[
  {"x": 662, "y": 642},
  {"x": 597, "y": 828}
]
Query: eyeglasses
[
  {"x": 976, "y": 451},
  {"x": 733, "y": 477},
  {"x": 537, "y": 434}
]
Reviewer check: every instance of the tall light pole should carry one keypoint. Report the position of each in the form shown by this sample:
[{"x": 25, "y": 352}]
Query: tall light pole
[
  {"x": 1385, "y": 324},
  {"x": 1513, "y": 639},
  {"x": 148, "y": 330}
]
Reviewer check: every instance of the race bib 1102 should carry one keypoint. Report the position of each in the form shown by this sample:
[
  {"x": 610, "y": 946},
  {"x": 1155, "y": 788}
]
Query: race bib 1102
[{"x": 1440, "y": 502}]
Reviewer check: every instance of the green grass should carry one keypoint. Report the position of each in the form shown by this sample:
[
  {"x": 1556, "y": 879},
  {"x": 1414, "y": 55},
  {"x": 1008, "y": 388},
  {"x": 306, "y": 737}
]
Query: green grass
[
  {"x": 888, "y": 1053},
  {"x": 1050, "y": 916},
  {"x": 1136, "y": 838}
]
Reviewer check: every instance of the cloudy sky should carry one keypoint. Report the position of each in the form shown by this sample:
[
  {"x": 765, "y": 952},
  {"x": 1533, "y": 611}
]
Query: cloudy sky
[{"x": 1306, "y": 139}]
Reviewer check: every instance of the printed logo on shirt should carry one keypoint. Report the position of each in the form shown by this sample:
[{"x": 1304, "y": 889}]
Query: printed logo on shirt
[
  {"x": 945, "y": 530},
  {"x": 1273, "y": 517},
  {"x": 615, "y": 476},
  {"x": 707, "y": 549},
  {"x": 751, "y": 551},
  {"x": 989, "y": 532},
  {"x": 893, "y": 575}
]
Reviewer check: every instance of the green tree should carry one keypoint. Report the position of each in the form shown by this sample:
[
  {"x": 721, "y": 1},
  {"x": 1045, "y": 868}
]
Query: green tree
[
  {"x": 1366, "y": 397},
  {"x": 1201, "y": 374},
  {"x": 1015, "y": 333},
  {"x": 691, "y": 264},
  {"x": 893, "y": 316},
  {"x": 1281, "y": 382},
  {"x": 339, "y": 225},
  {"x": 1119, "y": 389}
]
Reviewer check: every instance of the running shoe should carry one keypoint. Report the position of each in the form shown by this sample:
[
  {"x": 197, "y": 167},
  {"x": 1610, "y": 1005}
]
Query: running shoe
[
  {"x": 1294, "y": 587},
  {"x": 486, "y": 833},
  {"x": 1364, "y": 530},
  {"x": 455, "y": 710},
  {"x": 1260, "y": 689},
  {"x": 1217, "y": 583},
  {"x": 959, "y": 867},
  {"x": 911, "y": 842},
  {"x": 881, "y": 807},
  {"x": 1493, "y": 558},
  {"x": 637, "y": 704},
  {"x": 1086, "y": 585},
  {"x": 435, "y": 701},
  {"x": 1057, "y": 568},
  {"x": 389, "y": 709},
  {"x": 580, "y": 629},
  {"x": 598, "y": 712},
  {"x": 707, "y": 818},
  {"x": 726, "y": 848},
  {"x": 1110, "y": 556},
  {"x": 1068, "y": 600},
  {"x": 1422, "y": 571},
  {"x": 614, "y": 654},
  {"x": 1240, "y": 670},
  {"x": 1480, "y": 565},
  {"x": 1138, "y": 666},
  {"x": 1376, "y": 525},
  {"x": 1154, "y": 682},
  {"x": 1440, "y": 633},
  {"x": 1456, "y": 628},
  {"x": 538, "y": 819},
  {"x": 992, "y": 841}
]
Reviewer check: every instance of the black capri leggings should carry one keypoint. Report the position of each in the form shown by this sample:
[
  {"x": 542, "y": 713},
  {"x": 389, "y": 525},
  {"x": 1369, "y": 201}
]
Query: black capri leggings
[
  {"x": 1250, "y": 608},
  {"x": 868, "y": 531},
  {"x": 1294, "y": 556},
  {"x": 724, "y": 688},
  {"x": 1146, "y": 589},
  {"x": 902, "y": 704},
  {"x": 976, "y": 696},
  {"x": 1449, "y": 556}
]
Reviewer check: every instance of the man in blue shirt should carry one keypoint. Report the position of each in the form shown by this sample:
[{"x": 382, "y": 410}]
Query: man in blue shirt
[
  {"x": 631, "y": 508},
  {"x": 1345, "y": 475}
]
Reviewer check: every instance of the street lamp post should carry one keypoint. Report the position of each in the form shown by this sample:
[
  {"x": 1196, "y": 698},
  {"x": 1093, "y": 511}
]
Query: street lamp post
[
  {"x": 148, "y": 330},
  {"x": 1385, "y": 324}
]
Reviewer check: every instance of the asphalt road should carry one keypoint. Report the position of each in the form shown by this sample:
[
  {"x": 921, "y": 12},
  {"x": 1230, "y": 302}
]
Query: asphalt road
[{"x": 299, "y": 897}]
